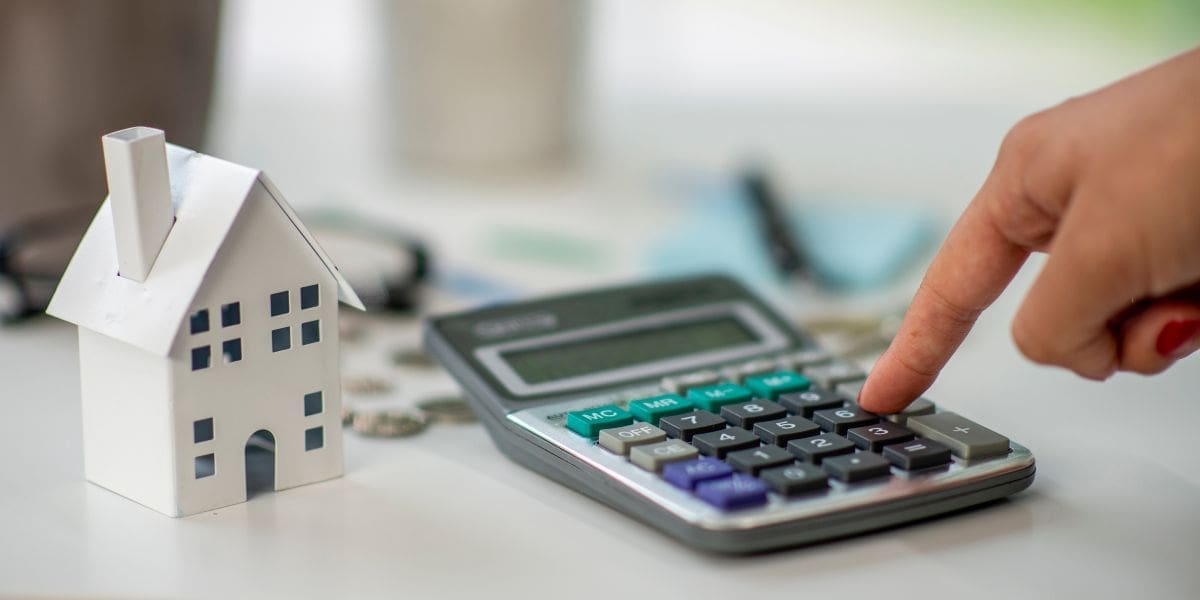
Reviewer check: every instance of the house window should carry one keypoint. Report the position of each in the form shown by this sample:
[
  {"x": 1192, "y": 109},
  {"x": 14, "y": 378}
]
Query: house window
[
  {"x": 313, "y": 403},
  {"x": 310, "y": 332},
  {"x": 231, "y": 314},
  {"x": 232, "y": 349},
  {"x": 206, "y": 466},
  {"x": 279, "y": 303},
  {"x": 201, "y": 358},
  {"x": 200, "y": 321},
  {"x": 314, "y": 438},
  {"x": 202, "y": 430},
  {"x": 281, "y": 339},
  {"x": 309, "y": 296}
]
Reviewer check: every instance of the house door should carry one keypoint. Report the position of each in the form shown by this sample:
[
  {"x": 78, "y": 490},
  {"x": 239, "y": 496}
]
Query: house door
[{"x": 260, "y": 463}]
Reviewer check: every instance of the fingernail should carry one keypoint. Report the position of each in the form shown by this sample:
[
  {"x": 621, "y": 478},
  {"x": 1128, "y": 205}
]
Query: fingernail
[{"x": 1174, "y": 337}]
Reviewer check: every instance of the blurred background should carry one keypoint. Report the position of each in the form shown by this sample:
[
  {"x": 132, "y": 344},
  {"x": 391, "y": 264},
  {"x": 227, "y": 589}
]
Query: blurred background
[{"x": 817, "y": 149}]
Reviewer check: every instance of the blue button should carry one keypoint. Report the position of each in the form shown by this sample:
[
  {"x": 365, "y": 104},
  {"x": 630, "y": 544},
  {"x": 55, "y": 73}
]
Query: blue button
[
  {"x": 731, "y": 493},
  {"x": 685, "y": 475}
]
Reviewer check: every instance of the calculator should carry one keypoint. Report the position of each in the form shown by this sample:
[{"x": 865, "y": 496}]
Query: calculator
[{"x": 693, "y": 407}]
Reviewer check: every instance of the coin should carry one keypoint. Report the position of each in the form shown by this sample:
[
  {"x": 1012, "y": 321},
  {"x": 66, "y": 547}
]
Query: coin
[
  {"x": 447, "y": 409},
  {"x": 390, "y": 424}
]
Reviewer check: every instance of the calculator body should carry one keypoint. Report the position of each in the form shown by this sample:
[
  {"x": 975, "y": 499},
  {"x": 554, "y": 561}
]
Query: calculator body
[{"x": 529, "y": 368}]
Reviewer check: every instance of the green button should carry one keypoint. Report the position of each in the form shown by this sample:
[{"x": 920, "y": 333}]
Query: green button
[
  {"x": 771, "y": 385},
  {"x": 588, "y": 423},
  {"x": 654, "y": 408},
  {"x": 713, "y": 397}
]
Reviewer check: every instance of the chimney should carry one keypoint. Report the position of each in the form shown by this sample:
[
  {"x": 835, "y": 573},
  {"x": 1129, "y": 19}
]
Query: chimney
[{"x": 139, "y": 190}]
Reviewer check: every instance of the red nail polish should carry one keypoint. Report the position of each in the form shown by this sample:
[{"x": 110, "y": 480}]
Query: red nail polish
[{"x": 1175, "y": 334}]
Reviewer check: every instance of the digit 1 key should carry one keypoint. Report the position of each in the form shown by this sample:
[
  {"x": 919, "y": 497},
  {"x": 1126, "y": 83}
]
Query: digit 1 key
[
  {"x": 756, "y": 459},
  {"x": 965, "y": 438}
]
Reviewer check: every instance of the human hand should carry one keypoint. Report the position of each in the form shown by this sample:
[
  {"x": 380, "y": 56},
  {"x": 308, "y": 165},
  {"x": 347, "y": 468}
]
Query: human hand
[{"x": 1107, "y": 184}]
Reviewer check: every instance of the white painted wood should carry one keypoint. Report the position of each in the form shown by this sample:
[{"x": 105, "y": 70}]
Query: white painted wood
[{"x": 135, "y": 162}]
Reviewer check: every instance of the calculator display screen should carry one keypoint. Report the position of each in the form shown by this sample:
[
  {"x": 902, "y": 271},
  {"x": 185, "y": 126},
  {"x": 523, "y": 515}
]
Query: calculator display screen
[{"x": 604, "y": 353}]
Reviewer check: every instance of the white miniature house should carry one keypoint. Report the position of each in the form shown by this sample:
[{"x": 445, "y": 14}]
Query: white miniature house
[{"x": 207, "y": 319}]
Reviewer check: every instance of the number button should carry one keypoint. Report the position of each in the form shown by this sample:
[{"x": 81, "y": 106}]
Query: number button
[
  {"x": 748, "y": 413},
  {"x": 689, "y": 424},
  {"x": 654, "y": 408},
  {"x": 857, "y": 467},
  {"x": 814, "y": 399},
  {"x": 818, "y": 448},
  {"x": 720, "y": 443},
  {"x": 756, "y": 459},
  {"x": 839, "y": 420},
  {"x": 782, "y": 431},
  {"x": 917, "y": 454},
  {"x": 875, "y": 437},
  {"x": 713, "y": 397},
  {"x": 771, "y": 385},
  {"x": 588, "y": 423},
  {"x": 795, "y": 479}
]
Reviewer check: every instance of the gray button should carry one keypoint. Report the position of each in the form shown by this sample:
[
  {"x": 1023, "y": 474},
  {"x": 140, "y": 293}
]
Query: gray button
[
  {"x": 806, "y": 358},
  {"x": 966, "y": 439},
  {"x": 756, "y": 367},
  {"x": 680, "y": 384},
  {"x": 652, "y": 457},
  {"x": 850, "y": 390},
  {"x": 622, "y": 439},
  {"x": 830, "y": 375},
  {"x": 919, "y": 407}
]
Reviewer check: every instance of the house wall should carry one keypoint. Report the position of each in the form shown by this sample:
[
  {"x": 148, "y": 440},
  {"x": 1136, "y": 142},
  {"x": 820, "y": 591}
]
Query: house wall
[
  {"x": 128, "y": 428},
  {"x": 263, "y": 254}
]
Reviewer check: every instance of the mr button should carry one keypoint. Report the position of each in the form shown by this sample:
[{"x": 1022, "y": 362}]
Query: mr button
[{"x": 588, "y": 423}]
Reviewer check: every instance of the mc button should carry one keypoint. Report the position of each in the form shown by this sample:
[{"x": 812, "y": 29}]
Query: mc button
[{"x": 588, "y": 423}]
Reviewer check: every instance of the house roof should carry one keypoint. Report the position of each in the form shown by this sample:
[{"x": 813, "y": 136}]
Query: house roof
[{"x": 208, "y": 194}]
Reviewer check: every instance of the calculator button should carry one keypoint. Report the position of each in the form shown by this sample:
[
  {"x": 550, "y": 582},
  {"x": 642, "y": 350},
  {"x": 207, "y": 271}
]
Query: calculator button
[
  {"x": 814, "y": 399},
  {"x": 781, "y": 431},
  {"x": 720, "y": 443},
  {"x": 748, "y": 413},
  {"x": 828, "y": 376},
  {"x": 817, "y": 448},
  {"x": 875, "y": 437},
  {"x": 688, "y": 424},
  {"x": 752, "y": 368},
  {"x": 806, "y": 358},
  {"x": 756, "y": 459},
  {"x": 654, "y": 408},
  {"x": 795, "y": 479},
  {"x": 917, "y": 454},
  {"x": 652, "y": 457},
  {"x": 588, "y": 423},
  {"x": 850, "y": 390},
  {"x": 680, "y": 384},
  {"x": 771, "y": 385},
  {"x": 686, "y": 474},
  {"x": 733, "y": 492},
  {"x": 621, "y": 439},
  {"x": 838, "y": 420},
  {"x": 919, "y": 407},
  {"x": 966, "y": 439},
  {"x": 857, "y": 467},
  {"x": 713, "y": 397}
]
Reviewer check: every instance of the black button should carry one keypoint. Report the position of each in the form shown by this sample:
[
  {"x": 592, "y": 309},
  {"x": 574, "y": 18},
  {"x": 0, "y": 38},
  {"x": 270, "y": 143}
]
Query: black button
[
  {"x": 875, "y": 437},
  {"x": 756, "y": 459},
  {"x": 782, "y": 431},
  {"x": 795, "y": 479},
  {"x": 817, "y": 448},
  {"x": 746, "y": 414},
  {"x": 720, "y": 443},
  {"x": 839, "y": 420},
  {"x": 857, "y": 466},
  {"x": 804, "y": 403},
  {"x": 917, "y": 454},
  {"x": 688, "y": 424}
]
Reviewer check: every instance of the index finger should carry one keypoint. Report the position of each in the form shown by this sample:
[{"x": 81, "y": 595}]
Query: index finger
[{"x": 974, "y": 264}]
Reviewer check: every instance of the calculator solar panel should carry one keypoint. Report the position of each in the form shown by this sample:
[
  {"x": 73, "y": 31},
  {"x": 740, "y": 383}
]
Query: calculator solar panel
[{"x": 691, "y": 406}]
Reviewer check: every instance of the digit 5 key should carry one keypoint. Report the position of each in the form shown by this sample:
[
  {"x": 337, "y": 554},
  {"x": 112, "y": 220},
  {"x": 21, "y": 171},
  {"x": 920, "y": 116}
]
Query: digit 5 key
[{"x": 965, "y": 438}]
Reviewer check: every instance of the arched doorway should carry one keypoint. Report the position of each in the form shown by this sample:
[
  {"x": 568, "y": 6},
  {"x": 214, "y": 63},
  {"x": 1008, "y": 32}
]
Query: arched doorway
[{"x": 260, "y": 463}]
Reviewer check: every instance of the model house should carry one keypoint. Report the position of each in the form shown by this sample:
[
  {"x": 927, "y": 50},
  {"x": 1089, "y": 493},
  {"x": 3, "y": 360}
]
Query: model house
[{"x": 207, "y": 319}]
